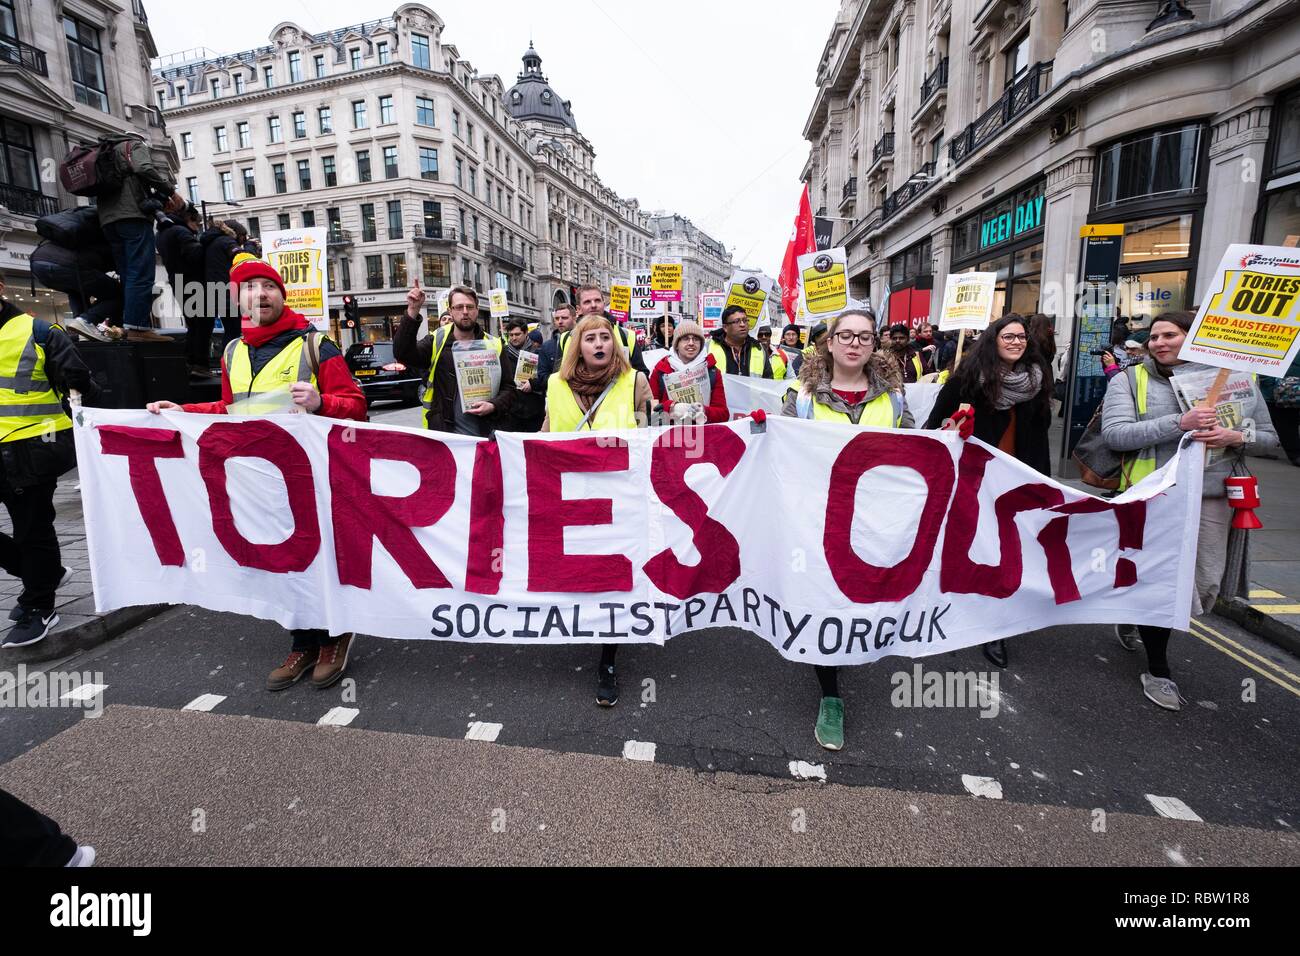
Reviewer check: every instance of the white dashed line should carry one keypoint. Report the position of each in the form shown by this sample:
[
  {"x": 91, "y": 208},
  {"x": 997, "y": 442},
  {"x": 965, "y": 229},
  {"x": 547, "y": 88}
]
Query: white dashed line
[
  {"x": 480, "y": 730},
  {"x": 338, "y": 717},
  {"x": 1173, "y": 808},
  {"x": 85, "y": 692},
  {"x": 639, "y": 750},
  {"x": 204, "y": 702},
  {"x": 985, "y": 787},
  {"x": 807, "y": 771}
]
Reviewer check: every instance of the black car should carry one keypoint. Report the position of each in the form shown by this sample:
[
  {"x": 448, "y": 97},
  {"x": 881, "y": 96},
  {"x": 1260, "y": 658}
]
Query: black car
[{"x": 381, "y": 376}]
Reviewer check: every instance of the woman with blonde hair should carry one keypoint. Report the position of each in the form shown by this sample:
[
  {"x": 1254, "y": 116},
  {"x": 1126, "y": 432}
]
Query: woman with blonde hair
[
  {"x": 597, "y": 389},
  {"x": 844, "y": 379}
]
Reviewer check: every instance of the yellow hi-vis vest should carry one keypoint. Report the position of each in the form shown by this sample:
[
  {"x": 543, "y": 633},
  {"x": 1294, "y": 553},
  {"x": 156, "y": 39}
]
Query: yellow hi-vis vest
[
  {"x": 618, "y": 410},
  {"x": 1134, "y": 466},
  {"x": 29, "y": 407},
  {"x": 756, "y": 359},
  {"x": 265, "y": 393},
  {"x": 883, "y": 411},
  {"x": 440, "y": 338}
]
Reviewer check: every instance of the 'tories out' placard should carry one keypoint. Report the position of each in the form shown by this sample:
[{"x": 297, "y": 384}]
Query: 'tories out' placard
[{"x": 968, "y": 301}]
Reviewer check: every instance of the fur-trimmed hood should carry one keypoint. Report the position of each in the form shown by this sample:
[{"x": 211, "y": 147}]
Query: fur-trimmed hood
[{"x": 883, "y": 375}]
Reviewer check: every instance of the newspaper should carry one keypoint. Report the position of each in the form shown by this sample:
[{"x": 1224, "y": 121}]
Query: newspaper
[
  {"x": 478, "y": 372},
  {"x": 690, "y": 386},
  {"x": 277, "y": 401},
  {"x": 526, "y": 369},
  {"x": 1191, "y": 388}
]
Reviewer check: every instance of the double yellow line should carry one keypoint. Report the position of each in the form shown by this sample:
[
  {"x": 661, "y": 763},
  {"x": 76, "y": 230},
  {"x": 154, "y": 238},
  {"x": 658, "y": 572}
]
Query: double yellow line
[{"x": 1221, "y": 642}]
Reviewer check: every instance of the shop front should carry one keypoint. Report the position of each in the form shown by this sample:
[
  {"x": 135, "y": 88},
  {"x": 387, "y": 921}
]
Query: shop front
[
  {"x": 1278, "y": 219},
  {"x": 1005, "y": 237},
  {"x": 911, "y": 279},
  {"x": 32, "y": 298}
]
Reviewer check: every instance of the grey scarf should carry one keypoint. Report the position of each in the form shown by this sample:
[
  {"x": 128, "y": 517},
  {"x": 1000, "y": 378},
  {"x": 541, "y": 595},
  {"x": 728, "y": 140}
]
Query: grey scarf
[{"x": 1019, "y": 385}]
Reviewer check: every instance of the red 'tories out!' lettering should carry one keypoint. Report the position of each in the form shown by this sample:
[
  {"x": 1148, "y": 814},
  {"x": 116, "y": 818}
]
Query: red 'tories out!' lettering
[
  {"x": 142, "y": 447},
  {"x": 360, "y": 515},
  {"x": 720, "y": 569},
  {"x": 550, "y": 568},
  {"x": 265, "y": 440},
  {"x": 862, "y": 582}
]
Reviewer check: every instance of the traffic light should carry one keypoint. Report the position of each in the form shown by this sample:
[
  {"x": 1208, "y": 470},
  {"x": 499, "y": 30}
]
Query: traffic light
[{"x": 351, "y": 314}]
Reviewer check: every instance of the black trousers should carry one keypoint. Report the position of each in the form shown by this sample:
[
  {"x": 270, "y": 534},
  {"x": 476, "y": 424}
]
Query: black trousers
[
  {"x": 31, "y": 553},
  {"x": 307, "y": 640},
  {"x": 1287, "y": 423},
  {"x": 80, "y": 286},
  {"x": 30, "y": 838},
  {"x": 198, "y": 340}
]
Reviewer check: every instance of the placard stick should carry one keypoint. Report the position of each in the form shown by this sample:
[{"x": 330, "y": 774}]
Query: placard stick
[
  {"x": 1212, "y": 398},
  {"x": 961, "y": 344}
]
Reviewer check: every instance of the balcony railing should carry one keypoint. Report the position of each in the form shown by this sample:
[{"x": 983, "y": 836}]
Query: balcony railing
[
  {"x": 501, "y": 254},
  {"x": 1010, "y": 106},
  {"x": 339, "y": 237},
  {"x": 850, "y": 189},
  {"x": 883, "y": 148},
  {"x": 935, "y": 81},
  {"x": 434, "y": 234},
  {"x": 21, "y": 54},
  {"x": 27, "y": 202},
  {"x": 902, "y": 197}
]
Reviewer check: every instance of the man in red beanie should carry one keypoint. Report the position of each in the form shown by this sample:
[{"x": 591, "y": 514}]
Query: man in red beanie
[{"x": 282, "y": 363}]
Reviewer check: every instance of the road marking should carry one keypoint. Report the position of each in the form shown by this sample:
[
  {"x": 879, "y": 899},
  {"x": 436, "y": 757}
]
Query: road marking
[
  {"x": 481, "y": 730},
  {"x": 1173, "y": 808},
  {"x": 801, "y": 770},
  {"x": 85, "y": 692},
  {"x": 1265, "y": 593},
  {"x": 204, "y": 702},
  {"x": 1246, "y": 650},
  {"x": 1278, "y": 608},
  {"x": 985, "y": 787},
  {"x": 1242, "y": 660},
  {"x": 338, "y": 717},
  {"x": 639, "y": 750}
]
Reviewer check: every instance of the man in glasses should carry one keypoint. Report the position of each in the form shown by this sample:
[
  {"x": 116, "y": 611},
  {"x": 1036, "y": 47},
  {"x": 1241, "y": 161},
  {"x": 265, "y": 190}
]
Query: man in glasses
[{"x": 737, "y": 352}]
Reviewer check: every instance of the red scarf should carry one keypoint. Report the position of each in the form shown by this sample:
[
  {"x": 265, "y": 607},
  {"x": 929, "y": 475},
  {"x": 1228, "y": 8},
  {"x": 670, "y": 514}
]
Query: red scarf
[{"x": 288, "y": 321}]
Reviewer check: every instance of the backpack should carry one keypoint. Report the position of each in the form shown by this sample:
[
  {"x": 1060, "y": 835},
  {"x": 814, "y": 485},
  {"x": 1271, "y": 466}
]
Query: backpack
[
  {"x": 72, "y": 228},
  {"x": 92, "y": 170},
  {"x": 1098, "y": 465}
]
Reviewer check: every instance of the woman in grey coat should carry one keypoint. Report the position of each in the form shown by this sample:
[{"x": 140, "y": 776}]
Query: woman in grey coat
[{"x": 1148, "y": 439}]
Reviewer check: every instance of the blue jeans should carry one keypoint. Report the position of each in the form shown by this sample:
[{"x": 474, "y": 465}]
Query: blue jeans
[{"x": 135, "y": 258}]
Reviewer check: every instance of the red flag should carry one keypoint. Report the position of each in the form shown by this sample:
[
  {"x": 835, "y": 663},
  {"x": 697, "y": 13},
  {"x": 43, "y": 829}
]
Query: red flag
[{"x": 802, "y": 240}]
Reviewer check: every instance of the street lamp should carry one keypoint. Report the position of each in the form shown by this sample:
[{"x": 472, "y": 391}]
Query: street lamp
[{"x": 204, "y": 204}]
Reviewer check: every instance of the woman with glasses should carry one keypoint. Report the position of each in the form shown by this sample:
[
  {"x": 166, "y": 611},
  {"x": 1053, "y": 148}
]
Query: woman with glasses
[
  {"x": 846, "y": 380},
  {"x": 1008, "y": 383}
]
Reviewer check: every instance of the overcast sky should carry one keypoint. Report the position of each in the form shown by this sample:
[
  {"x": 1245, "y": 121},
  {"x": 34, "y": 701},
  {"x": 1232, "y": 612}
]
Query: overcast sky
[{"x": 698, "y": 108}]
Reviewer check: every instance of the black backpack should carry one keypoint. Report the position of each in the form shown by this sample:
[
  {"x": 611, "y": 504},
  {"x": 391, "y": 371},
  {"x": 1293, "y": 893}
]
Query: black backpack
[
  {"x": 72, "y": 228},
  {"x": 93, "y": 170}
]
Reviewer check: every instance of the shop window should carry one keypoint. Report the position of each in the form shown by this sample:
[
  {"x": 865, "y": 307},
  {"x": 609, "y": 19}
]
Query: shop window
[
  {"x": 1157, "y": 240},
  {"x": 1145, "y": 295},
  {"x": 1282, "y": 218},
  {"x": 1159, "y": 165}
]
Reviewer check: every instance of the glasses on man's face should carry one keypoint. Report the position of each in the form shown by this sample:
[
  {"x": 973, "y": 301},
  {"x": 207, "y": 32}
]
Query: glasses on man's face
[
  {"x": 736, "y": 322},
  {"x": 1011, "y": 338},
  {"x": 862, "y": 338}
]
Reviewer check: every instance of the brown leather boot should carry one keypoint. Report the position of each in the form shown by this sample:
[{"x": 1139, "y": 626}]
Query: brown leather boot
[
  {"x": 332, "y": 663},
  {"x": 291, "y": 671}
]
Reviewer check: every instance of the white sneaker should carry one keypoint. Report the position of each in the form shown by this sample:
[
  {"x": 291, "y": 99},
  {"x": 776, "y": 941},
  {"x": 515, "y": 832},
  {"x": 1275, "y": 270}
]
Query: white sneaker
[
  {"x": 1162, "y": 692},
  {"x": 85, "y": 856},
  {"x": 82, "y": 327}
]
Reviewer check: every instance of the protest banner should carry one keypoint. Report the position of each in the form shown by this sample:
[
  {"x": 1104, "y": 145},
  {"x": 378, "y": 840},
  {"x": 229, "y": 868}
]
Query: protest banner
[
  {"x": 644, "y": 306},
  {"x": 745, "y": 395},
  {"x": 1250, "y": 317},
  {"x": 823, "y": 283},
  {"x": 478, "y": 372},
  {"x": 299, "y": 256},
  {"x": 751, "y": 291},
  {"x": 548, "y": 539},
  {"x": 620, "y": 300},
  {"x": 968, "y": 301},
  {"x": 499, "y": 303},
  {"x": 666, "y": 281},
  {"x": 444, "y": 302},
  {"x": 710, "y": 306}
]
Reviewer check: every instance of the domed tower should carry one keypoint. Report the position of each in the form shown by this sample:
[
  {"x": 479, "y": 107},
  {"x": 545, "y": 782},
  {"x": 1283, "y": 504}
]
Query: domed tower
[{"x": 531, "y": 98}]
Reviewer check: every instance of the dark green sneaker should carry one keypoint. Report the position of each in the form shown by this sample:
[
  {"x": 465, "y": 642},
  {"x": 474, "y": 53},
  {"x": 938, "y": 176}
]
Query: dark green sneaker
[{"x": 830, "y": 724}]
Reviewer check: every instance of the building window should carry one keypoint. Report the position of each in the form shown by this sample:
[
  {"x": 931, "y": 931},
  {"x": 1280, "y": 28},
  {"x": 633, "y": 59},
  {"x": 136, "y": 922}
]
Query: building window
[
  {"x": 295, "y": 67},
  {"x": 390, "y": 162},
  {"x": 268, "y": 76},
  {"x": 460, "y": 172},
  {"x": 420, "y": 52},
  {"x": 384, "y": 55},
  {"x": 277, "y": 174},
  {"x": 182, "y": 94},
  {"x": 424, "y": 111},
  {"x": 1279, "y": 223},
  {"x": 325, "y": 118},
  {"x": 354, "y": 56},
  {"x": 308, "y": 218},
  {"x": 397, "y": 271},
  {"x": 1159, "y": 165},
  {"x": 345, "y": 273},
  {"x": 428, "y": 163},
  {"x": 319, "y": 61},
  {"x": 227, "y": 186},
  {"x": 331, "y": 174},
  {"x": 254, "y": 227},
  {"x": 394, "y": 219},
  {"x": 187, "y": 145},
  {"x": 284, "y": 222},
  {"x": 363, "y": 165},
  {"x": 299, "y": 125},
  {"x": 385, "y": 109},
  {"x": 245, "y": 138},
  {"x": 433, "y": 219},
  {"x": 374, "y": 272},
  {"x": 222, "y": 145},
  {"x": 368, "y": 233},
  {"x": 250, "y": 183},
  {"x": 304, "y": 174},
  {"x": 436, "y": 269},
  {"x": 215, "y": 86},
  {"x": 192, "y": 188},
  {"x": 473, "y": 181},
  {"x": 455, "y": 122},
  {"x": 87, "y": 61},
  {"x": 273, "y": 128},
  {"x": 239, "y": 83},
  {"x": 469, "y": 135},
  {"x": 1017, "y": 58},
  {"x": 358, "y": 114}
]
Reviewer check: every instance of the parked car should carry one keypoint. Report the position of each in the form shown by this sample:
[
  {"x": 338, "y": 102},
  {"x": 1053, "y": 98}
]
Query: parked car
[{"x": 381, "y": 376}]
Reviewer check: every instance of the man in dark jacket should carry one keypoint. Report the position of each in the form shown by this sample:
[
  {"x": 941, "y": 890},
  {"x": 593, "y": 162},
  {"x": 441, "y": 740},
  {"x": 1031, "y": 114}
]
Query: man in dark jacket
[
  {"x": 221, "y": 242},
  {"x": 128, "y": 223},
  {"x": 38, "y": 366},
  {"x": 518, "y": 409},
  {"x": 183, "y": 256},
  {"x": 736, "y": 352},
  {"x": 549, "y": 362},
  {"x": 78, "y": 267}
]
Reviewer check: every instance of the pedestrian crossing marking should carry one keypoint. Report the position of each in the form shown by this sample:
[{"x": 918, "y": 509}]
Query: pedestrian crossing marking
[
  {"x": 1173, "y": 808},
  {"x": 639, "y": 750},
  {"x": 801, "y": 770},
  {"x": 84, "y": 692},
  {"x": 338, "y": 717},
  {"x": 985, "y": 787},
  {"x": 204, "y": 702},
  {"x": 480, "y": 730}
]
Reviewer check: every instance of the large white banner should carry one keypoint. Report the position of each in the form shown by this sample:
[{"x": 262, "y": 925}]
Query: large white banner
[
  {"x": 909, "y": 543},
  {"x": 745, "y": 394}
]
